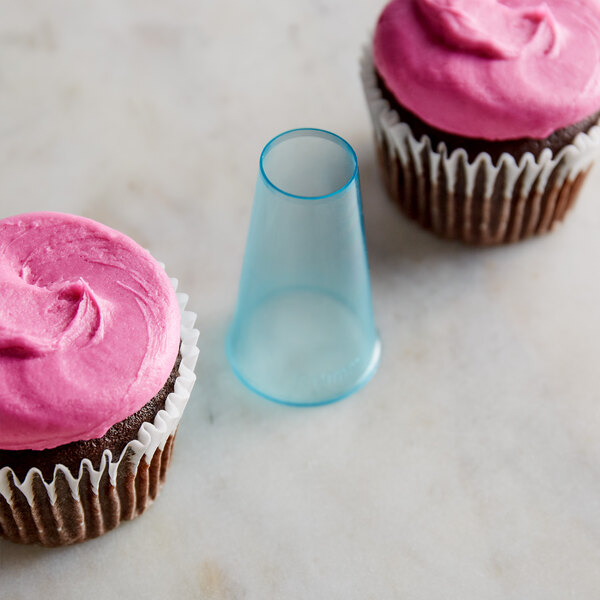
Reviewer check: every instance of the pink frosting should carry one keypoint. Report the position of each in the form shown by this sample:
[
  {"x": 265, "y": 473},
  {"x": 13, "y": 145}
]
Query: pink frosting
[
  {"x": 89, "y": 329},
  {"x": 492, "y": 69}
]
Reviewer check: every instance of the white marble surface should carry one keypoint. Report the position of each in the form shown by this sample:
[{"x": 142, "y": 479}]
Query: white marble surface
[{"x": 469, "y": 468}]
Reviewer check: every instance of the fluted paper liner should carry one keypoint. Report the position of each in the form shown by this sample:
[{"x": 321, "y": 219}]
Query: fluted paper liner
[
  {"x": 476, "y": 201},
  {"x": 72, "y": 509}
]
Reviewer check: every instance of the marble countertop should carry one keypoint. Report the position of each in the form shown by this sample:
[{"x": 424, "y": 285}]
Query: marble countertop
[{"x": 468, "y": 468}]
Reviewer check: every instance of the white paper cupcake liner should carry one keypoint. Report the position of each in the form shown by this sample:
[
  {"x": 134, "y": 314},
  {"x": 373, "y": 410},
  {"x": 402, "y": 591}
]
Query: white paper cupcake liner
[
  {"x": 71, "y": 509},
  {"x": 475, "y": 200}
]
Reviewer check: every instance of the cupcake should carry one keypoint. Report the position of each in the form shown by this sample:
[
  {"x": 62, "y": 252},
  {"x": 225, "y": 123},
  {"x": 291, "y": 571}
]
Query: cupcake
[
  {"x": 96, "y": 367},
  {"x": 485, "y": 112}
]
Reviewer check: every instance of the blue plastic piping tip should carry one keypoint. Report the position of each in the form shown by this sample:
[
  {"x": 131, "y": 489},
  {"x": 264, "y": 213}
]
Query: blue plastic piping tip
[{"x": 303, "y": 332}]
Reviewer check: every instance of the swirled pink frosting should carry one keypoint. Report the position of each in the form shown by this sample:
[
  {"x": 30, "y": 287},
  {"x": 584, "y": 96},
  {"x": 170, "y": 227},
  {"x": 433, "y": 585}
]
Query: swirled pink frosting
[
  {"x": 89, "y": 329},
  {"x": 492, "y": 69}
]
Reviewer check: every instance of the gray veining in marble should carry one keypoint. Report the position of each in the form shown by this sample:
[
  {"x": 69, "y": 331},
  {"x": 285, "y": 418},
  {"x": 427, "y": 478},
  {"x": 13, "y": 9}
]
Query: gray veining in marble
[{"x": 469, "y": 468}]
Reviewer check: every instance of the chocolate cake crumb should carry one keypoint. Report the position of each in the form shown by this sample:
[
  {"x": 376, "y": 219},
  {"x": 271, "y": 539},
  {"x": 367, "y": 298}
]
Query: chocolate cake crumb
[
  {"x": 70, "y": 455},
  {"x": 474, "y": 146}
]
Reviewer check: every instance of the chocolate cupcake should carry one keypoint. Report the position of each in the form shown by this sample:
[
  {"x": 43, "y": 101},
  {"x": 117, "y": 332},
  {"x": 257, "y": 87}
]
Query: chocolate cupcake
[
  {"x": 96, "y": 367},
  {"x": 485, "y": 112}
]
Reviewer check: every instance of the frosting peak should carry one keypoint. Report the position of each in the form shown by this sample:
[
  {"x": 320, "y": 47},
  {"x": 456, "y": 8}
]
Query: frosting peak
[
  {"x": 89, "y": 329},
  {"x": 490, "y": 28},
  {"x": 35, "y": 321},
  {"x": 492, "y": 69}
]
